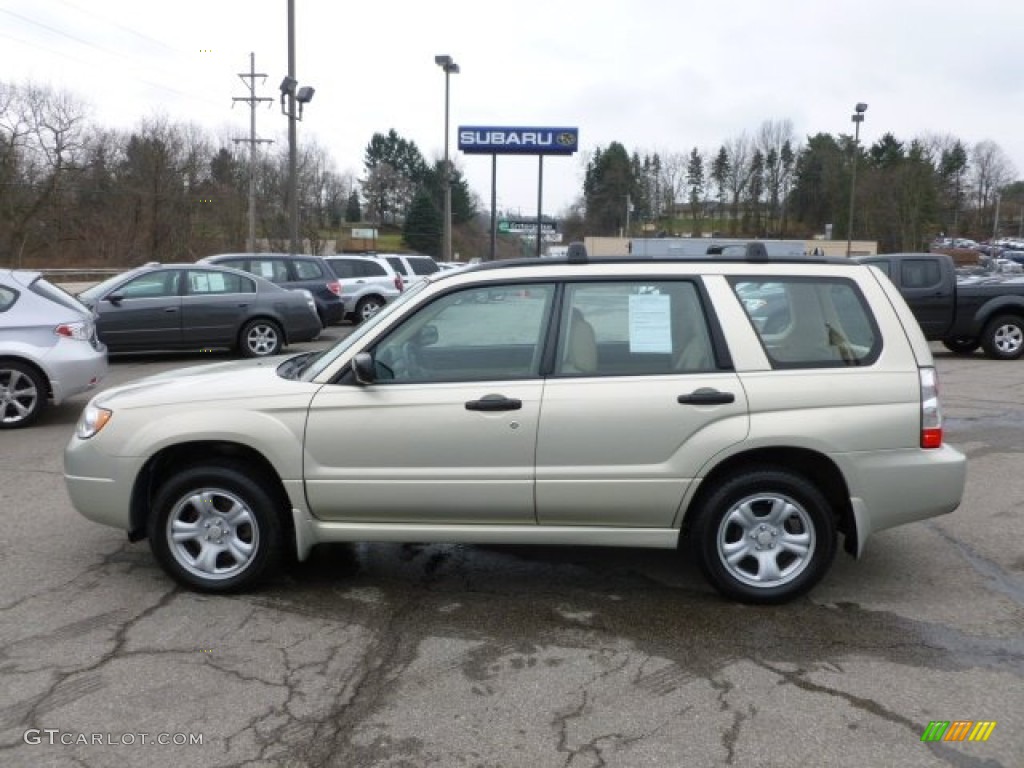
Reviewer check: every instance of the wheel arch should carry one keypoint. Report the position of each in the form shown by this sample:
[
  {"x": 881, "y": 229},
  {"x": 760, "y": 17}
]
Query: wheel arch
[
  {"x": 999, "y": 305},
  {"x": 278, "y": 322},
  {"x": 175, "y": 458},
  {"x": 813, "y": 466},
  {"x": 34, "y": 366}
]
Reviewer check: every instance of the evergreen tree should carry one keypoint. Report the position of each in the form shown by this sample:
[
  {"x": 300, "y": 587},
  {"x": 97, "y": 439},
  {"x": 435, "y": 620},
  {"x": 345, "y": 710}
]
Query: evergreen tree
[
  {"x": 353, "y": 212},
  {"x": 424, "y": 225}
]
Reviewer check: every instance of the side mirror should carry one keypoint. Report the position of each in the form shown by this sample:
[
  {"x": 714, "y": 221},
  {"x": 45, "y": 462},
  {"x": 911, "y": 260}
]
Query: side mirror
[
  {"x": 363, "y": 368},
  {"x": 428, "y": 335},
  {"x": 115, "y": 299}
]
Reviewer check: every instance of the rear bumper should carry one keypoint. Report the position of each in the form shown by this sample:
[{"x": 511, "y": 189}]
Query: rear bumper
[
  {"x": 74, "y": 367},
  {"x": 892, "y": 488}
]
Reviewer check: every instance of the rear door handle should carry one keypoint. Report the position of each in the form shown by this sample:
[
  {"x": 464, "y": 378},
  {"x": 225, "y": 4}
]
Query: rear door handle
[
  {"x": 706, "y": 396},
  {"x": 494, "y": 403}
]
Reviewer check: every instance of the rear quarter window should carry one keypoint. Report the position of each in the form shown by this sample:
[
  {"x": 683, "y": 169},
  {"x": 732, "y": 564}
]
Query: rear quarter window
[
  {"x": 810, "y": 322},
  {"x": 7, "y": 298}
]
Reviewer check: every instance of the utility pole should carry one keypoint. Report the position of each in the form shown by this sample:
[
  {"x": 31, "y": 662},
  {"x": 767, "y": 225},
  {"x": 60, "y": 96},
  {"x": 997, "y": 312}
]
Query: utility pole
[{"x": 252, "y": 141}]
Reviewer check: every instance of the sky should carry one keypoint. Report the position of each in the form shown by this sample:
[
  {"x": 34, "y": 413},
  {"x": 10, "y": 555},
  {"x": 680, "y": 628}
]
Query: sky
[{"x": 662, "y": 76}]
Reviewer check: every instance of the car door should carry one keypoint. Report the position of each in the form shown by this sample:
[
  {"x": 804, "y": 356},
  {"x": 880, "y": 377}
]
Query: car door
[
  {"x": 214, "y": 307},
  {"x": 142, "y": 313},
  {"x": 638, "y": 401},
  {"x": 447, "y": 432}
]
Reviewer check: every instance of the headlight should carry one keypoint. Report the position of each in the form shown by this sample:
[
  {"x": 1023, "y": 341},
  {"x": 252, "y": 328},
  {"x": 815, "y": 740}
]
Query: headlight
[{"x": 92, "y": 420}]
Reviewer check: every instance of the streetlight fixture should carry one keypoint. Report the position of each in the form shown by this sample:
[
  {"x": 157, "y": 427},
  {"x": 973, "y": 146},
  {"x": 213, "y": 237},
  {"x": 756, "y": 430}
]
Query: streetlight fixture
[
  {"x": 857, "y": 117},
  {"x": 447, "y": 63},
  {"x": 291, "y": 95}
]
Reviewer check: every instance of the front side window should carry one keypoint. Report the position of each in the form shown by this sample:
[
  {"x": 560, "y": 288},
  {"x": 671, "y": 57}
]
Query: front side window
[
  {"x": 152, "y": 285},
  {"x": 477, "y": 334},
  {"x": 810, "y": 322},
  {"x": 639, "y": 327}
]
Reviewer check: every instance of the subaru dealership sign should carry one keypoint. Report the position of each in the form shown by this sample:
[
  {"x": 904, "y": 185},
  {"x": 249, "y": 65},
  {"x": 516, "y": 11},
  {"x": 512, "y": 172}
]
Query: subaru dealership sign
[{"x": 483, "y": 140}]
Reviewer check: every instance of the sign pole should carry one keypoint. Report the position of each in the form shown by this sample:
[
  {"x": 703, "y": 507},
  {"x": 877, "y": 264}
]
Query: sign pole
[
  {"x": 494, "y": 207},
  {"x": 540, "y": 197}
]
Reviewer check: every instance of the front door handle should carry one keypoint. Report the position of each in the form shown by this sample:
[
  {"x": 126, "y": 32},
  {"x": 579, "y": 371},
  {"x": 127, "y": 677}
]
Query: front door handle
[
  {"x": 494, "y": 403},
  {"x": 706, "y": 396}
]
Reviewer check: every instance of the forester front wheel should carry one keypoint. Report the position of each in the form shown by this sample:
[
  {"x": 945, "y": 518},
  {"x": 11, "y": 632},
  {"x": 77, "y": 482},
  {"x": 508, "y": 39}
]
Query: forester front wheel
[{"x": 216, "y": 528}]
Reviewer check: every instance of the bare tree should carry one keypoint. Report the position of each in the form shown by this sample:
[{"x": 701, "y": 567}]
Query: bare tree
[
  {"x": 738, "y": 175},
  {"x": 773, "y": 137},
  {"x": 991, "y": 170}
]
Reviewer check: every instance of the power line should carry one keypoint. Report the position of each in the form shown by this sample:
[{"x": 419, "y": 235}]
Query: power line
[
  {"x": 252, "y": 141},
  {"x": 89, "y": 44},
  {"x": 108, "y": 20}
]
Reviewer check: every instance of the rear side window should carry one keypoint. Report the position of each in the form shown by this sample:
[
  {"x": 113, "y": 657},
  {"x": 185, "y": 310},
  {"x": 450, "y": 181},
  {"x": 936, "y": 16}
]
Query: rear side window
[
  {"x": 397, "y": 265},
  {"x": 644, "y": 327},
  {"x": 207, "y": 283},
  {"x": 274, "y": 270},
  {"x": 370, "y": 268},
  {"x": 344, "y": 267},
  {"x": 423, "y": 266},
  {"x": 810, "y": 322},
  {"x": 307, "y": 270},
  {"x": 7, "y": 298},
  {"x": 920, "y": 273}
]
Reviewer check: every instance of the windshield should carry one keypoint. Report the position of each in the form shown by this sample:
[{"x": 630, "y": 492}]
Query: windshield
[{"x": 331, "y": 354}]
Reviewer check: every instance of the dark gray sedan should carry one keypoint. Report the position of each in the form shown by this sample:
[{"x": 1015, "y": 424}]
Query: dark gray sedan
[{"x": 199, "y": 306}]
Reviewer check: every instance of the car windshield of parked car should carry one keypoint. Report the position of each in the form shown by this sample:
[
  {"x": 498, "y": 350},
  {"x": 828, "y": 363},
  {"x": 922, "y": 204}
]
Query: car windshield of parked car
[{"x": 331, "y": 353}]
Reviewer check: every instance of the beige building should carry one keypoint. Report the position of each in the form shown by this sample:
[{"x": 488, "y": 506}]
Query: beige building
[{"x": 617, "y": 246}]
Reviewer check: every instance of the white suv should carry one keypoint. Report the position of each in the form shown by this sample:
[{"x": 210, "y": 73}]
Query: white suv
[
  {"x": 638, "y": 403},
  {"x": 410, "y": 267}
]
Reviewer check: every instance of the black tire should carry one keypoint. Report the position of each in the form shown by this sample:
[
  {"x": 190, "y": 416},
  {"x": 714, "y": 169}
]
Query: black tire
[
  {"x": 961, "y": 346},
  {"x": 770, "y": 518},
  {"x": 260, "y": 338},
  {"x": 236, "y": 522},
  {"x": 367, "y": 307},
  {"x": 22, "y": 394},
  {"x": 1003, "y": 337}
]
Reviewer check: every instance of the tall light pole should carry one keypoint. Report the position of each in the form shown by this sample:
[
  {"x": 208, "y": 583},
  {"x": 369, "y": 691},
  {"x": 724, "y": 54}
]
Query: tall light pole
[
  {"x": 447, "y": 63},
  {"x": 857, "y": 117},
  {"x": 289, "y": 97}
]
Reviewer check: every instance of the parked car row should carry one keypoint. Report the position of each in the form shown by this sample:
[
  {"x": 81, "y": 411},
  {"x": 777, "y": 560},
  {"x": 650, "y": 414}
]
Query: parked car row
[{"x": 54, "y": 345}]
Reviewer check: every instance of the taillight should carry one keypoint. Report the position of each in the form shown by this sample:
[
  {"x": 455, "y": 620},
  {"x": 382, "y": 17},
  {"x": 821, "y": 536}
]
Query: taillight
[
  {"x": 398, "y": 282},
  {"x": 931, "y": 409},
  {"x": 334, "y": 287},
  {"x": 78, "y": 331}
]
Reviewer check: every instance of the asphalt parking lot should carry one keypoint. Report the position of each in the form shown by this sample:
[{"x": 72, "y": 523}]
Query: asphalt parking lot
[{"x": 443, "y": 655}]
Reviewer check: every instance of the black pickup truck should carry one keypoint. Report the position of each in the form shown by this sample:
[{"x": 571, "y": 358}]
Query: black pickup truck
[{"x": 963, "y": 311}]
